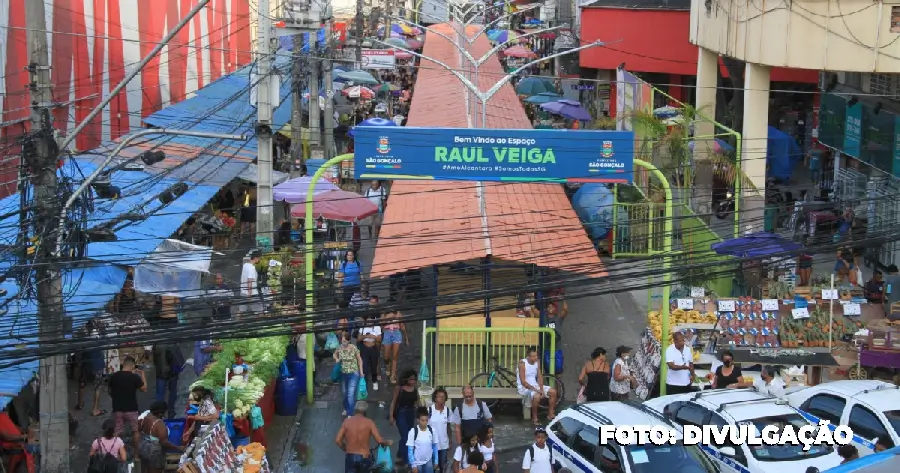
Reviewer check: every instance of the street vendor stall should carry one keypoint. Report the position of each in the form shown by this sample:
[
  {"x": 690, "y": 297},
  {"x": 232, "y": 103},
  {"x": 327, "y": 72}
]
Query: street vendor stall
[{"x": 212, "y": 452}]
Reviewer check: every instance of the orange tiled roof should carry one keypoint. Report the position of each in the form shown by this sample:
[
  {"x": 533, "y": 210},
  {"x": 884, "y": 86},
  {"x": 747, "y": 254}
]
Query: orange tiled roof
[{"x": 439, "y": 222}]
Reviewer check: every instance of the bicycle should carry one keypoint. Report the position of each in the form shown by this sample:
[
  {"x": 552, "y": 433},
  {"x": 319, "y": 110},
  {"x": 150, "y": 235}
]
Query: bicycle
[{"x": 502, "y": 377}]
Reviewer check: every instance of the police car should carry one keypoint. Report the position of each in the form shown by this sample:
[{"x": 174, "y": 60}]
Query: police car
[
  {"x": 574, "y": 436},
  {"x": 870, "y": 408},
  {"x": 723, "y": 407}
]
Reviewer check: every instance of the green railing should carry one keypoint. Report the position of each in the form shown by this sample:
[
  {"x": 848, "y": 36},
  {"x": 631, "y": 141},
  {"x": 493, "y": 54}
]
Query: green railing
[
  {"x": 460, "y": 354},
  {"x": 638, "y": 228}
]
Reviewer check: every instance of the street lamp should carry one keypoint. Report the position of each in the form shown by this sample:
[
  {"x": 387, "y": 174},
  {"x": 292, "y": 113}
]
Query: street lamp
[
  {"x": 484, "y": 28},
  {"x": 102, "y": 175},
  {"x": 485, "y": 96}
]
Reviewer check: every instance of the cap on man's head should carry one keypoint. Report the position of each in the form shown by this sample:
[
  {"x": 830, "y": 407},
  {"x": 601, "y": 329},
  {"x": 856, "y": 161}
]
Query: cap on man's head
[
  {"x": 540, "y": 430},
  {"x": 254, "y": 254}
]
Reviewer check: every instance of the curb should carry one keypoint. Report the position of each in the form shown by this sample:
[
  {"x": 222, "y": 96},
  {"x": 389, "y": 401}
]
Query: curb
[{"x": 288, "y": 451}]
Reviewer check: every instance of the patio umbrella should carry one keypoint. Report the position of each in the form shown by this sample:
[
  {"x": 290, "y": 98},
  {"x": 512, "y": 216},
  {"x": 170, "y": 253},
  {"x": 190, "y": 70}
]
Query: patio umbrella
[
  {"x": 337, "y": 205},
  {"x": 386, "y": 87},
  {"x": 397, "y": 42},
  {"x": 567, "y": 108},
  {"x": 294, "y": 190},
  {"x": 357, "y": 77},
  {"x": 718, "y": 146},
  {"x": 545, "y": 97},
  {"x": 520, "y": 52},
  {"x": 402, "y": 54},
  {"x": 373, "y": 122},
  {"x": 534, "y": 86},
  {"x": 502, "y": 36},
  {"x": 415, "y": 43},
  {"x": 359, "y": 92},
  {"x": 400, "y": 29}
]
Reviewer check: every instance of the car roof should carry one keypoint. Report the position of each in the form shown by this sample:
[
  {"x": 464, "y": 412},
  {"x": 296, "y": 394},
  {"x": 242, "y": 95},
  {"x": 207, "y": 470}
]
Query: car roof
[
  {"x": 738, "y": 404},
  {"x": 851, "y": 388},
  {"x": 615, "y": 413},
  {"x": 880, "y": 395}
]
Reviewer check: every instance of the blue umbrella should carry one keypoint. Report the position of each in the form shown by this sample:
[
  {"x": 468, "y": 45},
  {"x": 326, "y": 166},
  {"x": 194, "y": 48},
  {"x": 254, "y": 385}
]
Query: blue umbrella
[
  {"x": 568, "y": 109},
  {"x": 534, "y": 86},
  {"x": 373, "y": 122},
  {"x": 757, "y": 245},
  {"x": 545, "y": 97}
]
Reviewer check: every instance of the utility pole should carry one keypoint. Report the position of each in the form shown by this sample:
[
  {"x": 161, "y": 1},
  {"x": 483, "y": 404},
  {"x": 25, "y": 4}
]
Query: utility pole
[
  {"x": 265, "y": 224},
  {"x": 41, "y": 153},
  {"x": 359, "y": 31},
  {"x": 297, "y": 103},
  {"x": 314, "y": 63},
  {"x": 328, "y": 67}
]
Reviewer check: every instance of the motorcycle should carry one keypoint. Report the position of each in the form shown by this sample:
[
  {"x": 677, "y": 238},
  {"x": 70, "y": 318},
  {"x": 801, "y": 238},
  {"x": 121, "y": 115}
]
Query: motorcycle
[{"x": 773, "y": 197}]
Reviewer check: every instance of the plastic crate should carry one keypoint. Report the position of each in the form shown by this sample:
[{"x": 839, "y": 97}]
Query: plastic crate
[{"x": 176, "y": 430}]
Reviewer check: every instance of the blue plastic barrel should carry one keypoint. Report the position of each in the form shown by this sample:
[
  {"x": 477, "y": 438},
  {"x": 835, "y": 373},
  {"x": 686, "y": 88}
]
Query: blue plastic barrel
[
  {"x": 240, "y": 441},
  {"x": 298, "y": 370},
  {"x": 287, "y": 390},
  {"x": 176, "y": 430}
]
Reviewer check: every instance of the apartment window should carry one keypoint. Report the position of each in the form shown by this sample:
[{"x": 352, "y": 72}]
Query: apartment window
[
  {"x": 885, "y": 85},
  {"x": 853, "y": 79},
  {"x": 895, "y": 19}
]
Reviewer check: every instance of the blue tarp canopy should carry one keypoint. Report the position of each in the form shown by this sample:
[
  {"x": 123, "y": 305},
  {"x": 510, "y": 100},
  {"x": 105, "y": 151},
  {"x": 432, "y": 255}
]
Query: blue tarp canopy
[
  {"x": 204, "y": 164},
  {"x": 757, "y": 245},
  {"x": 782, "y": 154},
  {"x": 593, "y": 203}
]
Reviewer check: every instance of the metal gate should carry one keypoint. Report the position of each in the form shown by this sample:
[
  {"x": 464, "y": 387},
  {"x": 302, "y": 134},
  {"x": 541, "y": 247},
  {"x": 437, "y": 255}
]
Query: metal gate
[{"x": 882, "y": 212}]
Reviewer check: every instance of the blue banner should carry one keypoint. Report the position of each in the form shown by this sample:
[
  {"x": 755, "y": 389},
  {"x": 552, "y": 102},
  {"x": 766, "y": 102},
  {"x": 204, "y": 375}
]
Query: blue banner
[
  {"x": 853, "y": 131},
  {"x": 462, "y": 154}
]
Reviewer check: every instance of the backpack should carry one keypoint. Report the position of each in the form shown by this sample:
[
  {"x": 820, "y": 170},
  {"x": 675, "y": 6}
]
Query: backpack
[
  {"x": 459, "y": 410},
  {"x": 178, "y": 361},
  {"x": 416, "y": 432},
  {"x": 554, "y": 465},
  {"x": 103, "y": 462}
]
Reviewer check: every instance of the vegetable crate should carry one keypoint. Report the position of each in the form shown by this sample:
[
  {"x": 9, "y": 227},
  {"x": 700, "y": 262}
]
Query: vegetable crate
[{"x": 172, "y": 460}]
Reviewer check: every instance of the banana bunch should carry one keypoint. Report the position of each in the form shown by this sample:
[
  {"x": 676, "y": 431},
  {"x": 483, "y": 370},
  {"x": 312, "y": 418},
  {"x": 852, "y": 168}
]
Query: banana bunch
[{"x": 678, "y": 316}]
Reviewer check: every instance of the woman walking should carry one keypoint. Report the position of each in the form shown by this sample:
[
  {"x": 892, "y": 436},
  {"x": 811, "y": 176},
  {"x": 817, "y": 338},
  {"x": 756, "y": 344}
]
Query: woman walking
[
  {"x": 351, "y": 370},
  {"x": 595, "y": 377},
  {"x": 622, "y": 379},
  {"x": 464, "y": 456},
  {"x": 487, "y": 447},
  {"x": 155, "y": 438},
  {"x": 350, "y": 274},
  {"x": 403, "y": 409},
  {"x": 369, "y": 339},
  {"x": 109, "y": 444},
  {"x": 394, "y": 334},
  {"x": 439, "y": 420}
]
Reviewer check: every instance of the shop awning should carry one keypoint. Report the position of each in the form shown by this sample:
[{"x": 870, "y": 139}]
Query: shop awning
[
  {"x": 815, "y": 359},
  {"x": 440, "y": 222}
]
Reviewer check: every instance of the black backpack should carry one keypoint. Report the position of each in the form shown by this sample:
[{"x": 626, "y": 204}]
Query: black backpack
[
  {"x": 416, "y": 432},
  {"x": 178, "y": 361},
  {"x": 103, "y": 462},
  {"x": 459, "y": 410},
  {"x": 554, "y": 465}
]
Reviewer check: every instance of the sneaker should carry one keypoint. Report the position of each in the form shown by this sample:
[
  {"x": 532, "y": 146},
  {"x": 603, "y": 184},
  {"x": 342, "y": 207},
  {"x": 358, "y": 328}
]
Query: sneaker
[
  {"x": 374, "y": 386},
  {"x": 344, "y": 413}
]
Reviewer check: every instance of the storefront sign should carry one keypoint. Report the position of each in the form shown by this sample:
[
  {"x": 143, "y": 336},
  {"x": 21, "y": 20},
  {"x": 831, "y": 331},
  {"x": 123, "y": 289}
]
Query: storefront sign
[
  {"x": 832, "y": 120},
  {"x": 378, "y": 59},
  {"x": 853, "y": 131},
  {"x": 494, "y": 154}
]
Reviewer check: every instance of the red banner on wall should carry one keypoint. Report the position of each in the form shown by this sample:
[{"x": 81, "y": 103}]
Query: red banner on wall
[{"x": 340, "y": 32}]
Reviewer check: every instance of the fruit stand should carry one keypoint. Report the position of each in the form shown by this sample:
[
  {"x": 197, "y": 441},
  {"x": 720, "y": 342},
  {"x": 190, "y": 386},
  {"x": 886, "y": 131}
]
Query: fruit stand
[
  {"x": 212, "y": 452},
  {"x": 253, "y": 366}
]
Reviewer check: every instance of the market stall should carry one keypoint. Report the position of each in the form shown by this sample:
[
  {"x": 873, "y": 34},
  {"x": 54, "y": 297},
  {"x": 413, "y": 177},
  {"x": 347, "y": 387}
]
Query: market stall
[{"x": 213, "y": 452}]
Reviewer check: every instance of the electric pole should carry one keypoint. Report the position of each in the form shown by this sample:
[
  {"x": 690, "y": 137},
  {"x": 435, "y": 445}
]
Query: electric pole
[
  {"x": 265, "y": 224},
  {"x": 328, "y": 67},
  {"x": 40, "y": 154},
  {"x": 297, "y": 103},
  {"x": 314, "y": 123},
  {"x": 359, "y": 32}
]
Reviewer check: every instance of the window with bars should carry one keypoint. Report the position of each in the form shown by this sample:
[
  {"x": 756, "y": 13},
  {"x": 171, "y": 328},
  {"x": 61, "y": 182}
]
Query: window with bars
[{"x": 885, "y": 85}]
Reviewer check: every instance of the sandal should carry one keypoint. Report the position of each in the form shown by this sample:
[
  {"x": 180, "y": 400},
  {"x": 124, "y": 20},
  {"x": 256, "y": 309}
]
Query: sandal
[{"x": 101, "y": 412}]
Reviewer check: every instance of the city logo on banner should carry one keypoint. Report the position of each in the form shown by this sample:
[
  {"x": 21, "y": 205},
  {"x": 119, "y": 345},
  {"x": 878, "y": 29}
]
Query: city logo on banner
[
  {"x": 607, "y": 149},
  {"x": 384, "y": 145}
]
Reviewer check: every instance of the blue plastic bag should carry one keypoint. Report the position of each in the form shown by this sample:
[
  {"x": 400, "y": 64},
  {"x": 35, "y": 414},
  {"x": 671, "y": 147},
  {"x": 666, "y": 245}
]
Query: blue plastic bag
[
  {"x": 336, "y": 372},
  {"x": 331, "y": 342},
  {"x": 229, "y": 425},
  {"x": 256, "y": 418},
  {"x": 384, "y": 460},
  {"x": 362, "y": 392},
  {"x": 285, "y": 371}
]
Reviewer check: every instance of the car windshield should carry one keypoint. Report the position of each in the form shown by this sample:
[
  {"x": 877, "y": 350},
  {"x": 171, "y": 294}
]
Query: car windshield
[
  {"x": 781, "y": 453},
  {"x": 676, "y": 458},
  {"x": 894, "y": 418}
]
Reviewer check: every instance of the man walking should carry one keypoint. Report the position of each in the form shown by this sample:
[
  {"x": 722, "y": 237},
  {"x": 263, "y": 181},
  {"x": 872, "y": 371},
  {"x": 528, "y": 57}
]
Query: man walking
[
  {"x": 470, "y": 416},
  {"x": 251, "y": 304},
  {"x": 680, "y": 359},
  {"x": 123, "y": 388},
  {"x": 169, "y": 362},
  {"x": 353, "y": 439}
]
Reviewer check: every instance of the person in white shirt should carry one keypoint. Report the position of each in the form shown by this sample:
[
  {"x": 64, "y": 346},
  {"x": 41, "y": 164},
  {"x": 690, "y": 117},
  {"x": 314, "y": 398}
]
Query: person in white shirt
[
  {"x": 531, "y": 386},
  {"x": 539, "y": 456},
  {"x": 462, "y": 456},
  {"x": 439, "y": 421},
  {"x": 378, "y": 196},
  {"x": 251, "y": 303},
  {"x": 421, "y": 444},
  {"x": 398, "y": 119},
  {"x": 487, "y": 446},
  {"x": 680, "y": 360},
  {"x": 768, "y": 383},
  {"x": 369, "y": 341}
]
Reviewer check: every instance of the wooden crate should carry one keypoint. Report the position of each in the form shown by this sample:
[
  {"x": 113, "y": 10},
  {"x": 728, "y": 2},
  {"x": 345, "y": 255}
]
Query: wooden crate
[{"x": 172, "y": 460}]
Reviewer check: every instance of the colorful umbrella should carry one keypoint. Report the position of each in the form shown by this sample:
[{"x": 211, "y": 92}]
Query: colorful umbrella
[
  {"x": 718, "y": 146},
  {"x": 294, "y": 191},
  {"x": 402, "y": 54},
  {"x": 534, "y": 86},
  {"x": 545, "y": 97},
  {"x": 415, "y": 43},
  {"x": 503, "y": 36},
  {"x": 399, "y": 29},
  {"x": 357, "y": 76},
  {"x": 386, "y": 87},
  {"x": 359, "y": 92},
  {"x": 397, "y": 42},
  {"x": 520, "y": 52},
  {"x": 373, "y": 122},
  {"x": 337, "y": 205},
  {"x": 567, "y": 108}
]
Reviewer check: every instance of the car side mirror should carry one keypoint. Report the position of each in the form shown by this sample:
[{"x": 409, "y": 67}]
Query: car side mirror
[{"x": 728, "y": 451}]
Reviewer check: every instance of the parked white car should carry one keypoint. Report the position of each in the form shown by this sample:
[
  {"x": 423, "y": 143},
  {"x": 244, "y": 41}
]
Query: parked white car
[
  {"x": 723, "y": 407},
  {"x": 574, "y": 436},
  {"x": 870, "y": 408}
]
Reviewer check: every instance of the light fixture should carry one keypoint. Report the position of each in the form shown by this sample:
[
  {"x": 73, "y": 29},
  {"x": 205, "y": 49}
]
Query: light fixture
[
  {"x": 878, "y": 108},
  {"x": 166, "y": 197},
  {"x": 853, "y": 101},
  {"x": 152, "y": 157},
  {"x": 179, "y": 189},
  {"x": 104, "y": 189}
]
